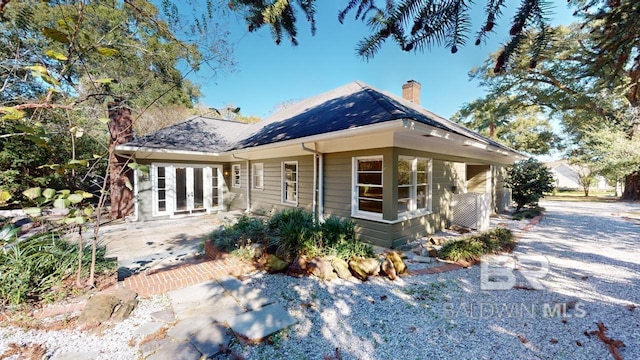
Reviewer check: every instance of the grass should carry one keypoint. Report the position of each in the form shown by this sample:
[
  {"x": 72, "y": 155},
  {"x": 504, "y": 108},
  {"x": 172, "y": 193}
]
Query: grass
[
  {"x": 471, "y": 248},
  {"x": 38, "y": 268}
]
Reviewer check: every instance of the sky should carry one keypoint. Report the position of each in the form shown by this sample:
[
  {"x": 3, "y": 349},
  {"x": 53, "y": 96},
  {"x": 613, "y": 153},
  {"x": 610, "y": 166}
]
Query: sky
[{"x": 267, "y": 74}]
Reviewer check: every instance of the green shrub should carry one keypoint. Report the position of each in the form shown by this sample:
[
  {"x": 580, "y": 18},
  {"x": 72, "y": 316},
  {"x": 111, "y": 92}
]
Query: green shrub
[
  {"x": 246, "y": 231},
  {"x": 529, "y": 181},
  {"x": 294, "y": 233},
  {"x": 291, "y": 232},
  {"x": 462, "y": 249},
  {"x": 471, "y": 248},
  {"x": 338, "y": 238},
  {"x": 35, "y": 268}
]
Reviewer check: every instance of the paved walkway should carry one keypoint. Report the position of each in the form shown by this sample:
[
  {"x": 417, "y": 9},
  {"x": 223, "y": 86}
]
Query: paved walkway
[{"x": 207, "y": 315}]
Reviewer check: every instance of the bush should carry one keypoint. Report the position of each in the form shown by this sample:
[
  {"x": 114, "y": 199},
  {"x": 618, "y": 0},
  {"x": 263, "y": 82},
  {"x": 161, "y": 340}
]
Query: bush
[
  {"x": 246, "y": 231},
  {"x": 35, "y": 268},
  {"x": 471, "y": 248},
  {"x": 529, "y": 181},
  {"x": 292, "y": 232},
  {"x": 338, "y": 238}
]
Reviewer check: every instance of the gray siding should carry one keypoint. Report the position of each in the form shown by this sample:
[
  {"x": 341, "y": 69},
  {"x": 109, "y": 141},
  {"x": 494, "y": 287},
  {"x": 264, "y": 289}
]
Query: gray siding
[
  {"x": 337, "y": 196},
  {"x": 236, "y": 199},
  {"x": 269, "y": 199},
  {"x": 477, "y": 178}
]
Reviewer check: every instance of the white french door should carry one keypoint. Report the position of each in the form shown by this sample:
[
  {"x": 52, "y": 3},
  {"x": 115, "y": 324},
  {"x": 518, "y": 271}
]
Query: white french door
[{"x": 180, "y": 189}]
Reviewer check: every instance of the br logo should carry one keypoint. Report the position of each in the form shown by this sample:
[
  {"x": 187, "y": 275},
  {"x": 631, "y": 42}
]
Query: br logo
[{"x": 497, "y": 272}]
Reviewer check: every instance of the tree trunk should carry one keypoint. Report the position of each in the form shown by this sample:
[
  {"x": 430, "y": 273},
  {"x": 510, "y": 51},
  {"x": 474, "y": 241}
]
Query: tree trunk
[
  {"x": 120, "y": 175},
  {"x": 631, "y": 187}
]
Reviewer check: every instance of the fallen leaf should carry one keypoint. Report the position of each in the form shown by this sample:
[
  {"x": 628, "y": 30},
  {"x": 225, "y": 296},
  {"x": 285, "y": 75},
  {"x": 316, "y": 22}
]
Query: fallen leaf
[
  {"x": 383, "y": 297},
  {"x": 578, "y": 343},
  {"x": 553, "y": 341},
  {"x": 631, "y": 307},
  {"x": 523, "y": 339}
]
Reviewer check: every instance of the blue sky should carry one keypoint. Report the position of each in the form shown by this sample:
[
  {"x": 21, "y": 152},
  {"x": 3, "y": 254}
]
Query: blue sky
[{"x": 267, "y": 74}]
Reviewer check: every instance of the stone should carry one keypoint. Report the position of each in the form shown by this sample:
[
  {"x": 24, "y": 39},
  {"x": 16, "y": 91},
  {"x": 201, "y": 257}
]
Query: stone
[
  {"x": 84, "y": 355},
  {"x": 256, "y": 325},
  {"x": 211, "y": 340},
  {"x": 123, "y": 310},
  {"x": 357, "y": 270},
  {"x": 149, "y": 347},
  {"x": 299, "y": 266},
  {"x": 430, "y": 252},
  {"x": 275, "y": 264},
  {"x": 248, "y": 297},
  {"x": 219, "y": 309},
  {"x": 398, "y": 264},
  {"x": 438, "y": 241},
  {"x": 370, "y": 266},
  {"x": 185, "y": 328},
  {"x": 388, "y": 269},
  {"x": 257, "y": 250},
  {"x": 176, "y": 351},
  {"x": 341, "y": 268},
  {"x": 422, "y": 259},
  {"x": 166, "y": 316},
  {"x": 148, "y": 328},
  {"x": 98, "y": 309},
  {"x": 322, "y": 269}
]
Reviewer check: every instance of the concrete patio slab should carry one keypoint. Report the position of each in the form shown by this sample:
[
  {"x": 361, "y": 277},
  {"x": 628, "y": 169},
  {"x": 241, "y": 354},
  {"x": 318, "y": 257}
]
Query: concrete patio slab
[
  {"x": 251, "y": 299},
  {"x": 209, "y": 340},
  {"x": 258, "y": 324},
  {"x": 176, "y": 351}
]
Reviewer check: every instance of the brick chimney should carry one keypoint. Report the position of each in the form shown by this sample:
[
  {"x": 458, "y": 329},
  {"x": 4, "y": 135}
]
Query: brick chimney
[{"x": 411, "y": 91}]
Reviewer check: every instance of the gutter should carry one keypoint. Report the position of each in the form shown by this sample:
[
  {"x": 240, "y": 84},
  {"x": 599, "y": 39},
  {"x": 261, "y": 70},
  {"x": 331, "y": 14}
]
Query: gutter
[
  {"x": 318, "y": 182},
  {"x": 248, "y": 181}
]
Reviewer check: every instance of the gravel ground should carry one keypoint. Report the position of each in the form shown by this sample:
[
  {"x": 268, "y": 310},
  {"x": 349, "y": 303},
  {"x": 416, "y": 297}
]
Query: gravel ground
[
  {"x": 593, "y": 276},
  {"x": 110, "y": 343}
]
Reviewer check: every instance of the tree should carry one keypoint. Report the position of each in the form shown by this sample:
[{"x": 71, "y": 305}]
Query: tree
[
  {"x": 529, "y": 181},
  {"x": 77, "y": 60},
  {"x": 412, "y": 25},
  {"x": 504, "y": 119}
]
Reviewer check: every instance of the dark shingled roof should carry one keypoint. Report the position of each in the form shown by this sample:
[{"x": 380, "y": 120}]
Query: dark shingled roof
[
  {"x": 199, "y": 133},
  {"x": 350, "y": 106}
]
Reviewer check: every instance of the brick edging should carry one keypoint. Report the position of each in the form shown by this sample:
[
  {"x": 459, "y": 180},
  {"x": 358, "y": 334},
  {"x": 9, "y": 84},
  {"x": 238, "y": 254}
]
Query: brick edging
[{"x": 453, "y": 266}]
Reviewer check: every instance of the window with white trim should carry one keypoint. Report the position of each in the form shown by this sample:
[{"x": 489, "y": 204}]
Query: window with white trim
[
  {"x": 258, "y": 176},
  {"x": 161, "y": 188},
  {"x": 367, "y": 192},
  {"x": 290, "y": 182},
  {"x": 235, "y": 175},
  {"x": 414, "y": 184}
]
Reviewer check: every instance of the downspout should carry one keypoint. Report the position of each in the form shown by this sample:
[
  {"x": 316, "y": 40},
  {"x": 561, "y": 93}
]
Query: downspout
[
  {"x": 248, "y": 181},
  {"x": 317, "y": 188}
]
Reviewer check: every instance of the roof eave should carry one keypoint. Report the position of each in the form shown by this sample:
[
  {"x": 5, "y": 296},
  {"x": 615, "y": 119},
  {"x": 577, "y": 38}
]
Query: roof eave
[
  {"x": 461, "y": 139},
  {"x": 121, "y": 149}
]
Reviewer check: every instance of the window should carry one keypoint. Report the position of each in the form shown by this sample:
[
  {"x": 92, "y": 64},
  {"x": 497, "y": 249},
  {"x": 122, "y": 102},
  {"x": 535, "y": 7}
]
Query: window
[
  {"x": 290, "y": 182},
  {"x": 235, "y": 173},
  {"x": 258, "y": 176},
  {"x": 414, "y": 190},
  {"x": 161, "y": 188},
  {"x": 367, "y": 194}
]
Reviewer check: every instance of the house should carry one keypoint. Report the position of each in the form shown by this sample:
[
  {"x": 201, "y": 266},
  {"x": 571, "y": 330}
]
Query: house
[
  {"x": 355, "y": 152},
  {"x": 567, "y": 176}
]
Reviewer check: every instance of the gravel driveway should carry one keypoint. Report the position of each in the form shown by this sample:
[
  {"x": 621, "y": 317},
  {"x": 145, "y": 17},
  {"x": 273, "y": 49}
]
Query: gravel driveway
[{"x": 593, "y": 276}]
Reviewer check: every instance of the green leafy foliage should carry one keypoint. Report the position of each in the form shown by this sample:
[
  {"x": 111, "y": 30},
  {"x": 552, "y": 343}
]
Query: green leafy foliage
[
  {"x": 471, "y": 248},
  {"x": 529, "y": 180},
  {"x": 36, "y": 268},
  {"x": 292, "y": 232}
]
